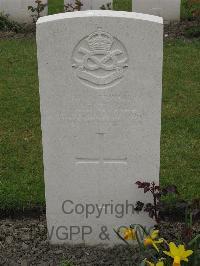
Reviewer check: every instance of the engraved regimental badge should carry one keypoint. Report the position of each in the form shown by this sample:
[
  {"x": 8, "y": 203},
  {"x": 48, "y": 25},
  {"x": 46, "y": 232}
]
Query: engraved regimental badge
[{"x": 100, "y": 60}]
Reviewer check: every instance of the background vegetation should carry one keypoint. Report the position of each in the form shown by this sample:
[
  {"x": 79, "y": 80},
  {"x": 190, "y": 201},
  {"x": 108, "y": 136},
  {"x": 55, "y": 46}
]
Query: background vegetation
[
  {"x": 187, "y": 7},
  {"x": 21, "y": 169}
]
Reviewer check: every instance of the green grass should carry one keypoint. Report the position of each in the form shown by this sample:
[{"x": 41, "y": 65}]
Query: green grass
[
  {"x": 125, "y": 5},
  {"x": 21, "y": 181},
  {"x": 21, "y": 174},
  {"x": 180, "y": 143},
  {"x": 21, "y": 178},
  {"x": 66, "y": 263},
  {"x": 56, "y": 6}
]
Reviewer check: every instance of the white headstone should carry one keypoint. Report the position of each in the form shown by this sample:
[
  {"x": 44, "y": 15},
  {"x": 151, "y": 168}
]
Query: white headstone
[
  {"x": 168, "y": 9},
  {"x": 90, "y": 4},
  {"x": 18, "y": 9},
  {"x": 100, "y": 98}
]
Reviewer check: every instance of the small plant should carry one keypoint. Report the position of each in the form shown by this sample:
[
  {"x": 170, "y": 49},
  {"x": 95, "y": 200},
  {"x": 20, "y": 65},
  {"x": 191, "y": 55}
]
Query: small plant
[
  {"x": 161, "y": 207},
  {"x": 194, "y": 6},
  {"x": 191, "y": 9},
  {"x": 73, "y": 7},
  {"x": 156, "y": 251},
  {"x": 8, "y": 25},
  {"x": 37, "y": 10},
  {"x": 66, "y": 263},
  {"x": 192, "y": 32},
  {"x": 157, "y": 192},
  {"x": 107, "y": 6}
]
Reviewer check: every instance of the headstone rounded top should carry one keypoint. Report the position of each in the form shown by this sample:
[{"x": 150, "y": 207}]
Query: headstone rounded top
[{"x": 101, "y": 13}]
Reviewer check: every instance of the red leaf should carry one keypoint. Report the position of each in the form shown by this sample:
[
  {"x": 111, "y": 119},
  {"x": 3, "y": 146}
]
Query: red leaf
[
  {"x": 138, "y": 183},
  {"x": 146, "y": 189}
]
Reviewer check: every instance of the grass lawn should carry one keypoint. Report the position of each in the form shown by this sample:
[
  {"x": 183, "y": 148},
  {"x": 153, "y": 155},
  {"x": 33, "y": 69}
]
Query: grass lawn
[
  {"x": 21, "y": 169},
  {"x": 55, "y": 6},
  {"x": 21, "y": 181},
  {"x": 21, "y": 178},
  {"x": 180, "y": 142}
]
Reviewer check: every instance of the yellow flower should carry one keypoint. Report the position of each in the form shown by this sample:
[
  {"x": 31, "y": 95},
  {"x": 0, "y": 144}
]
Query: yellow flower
[
  {"x": 153, "y": 240},
  {"x": 178, "y": 253},
  {"x": 129, "y": 234},
  {"x": 160, "y": 263}
]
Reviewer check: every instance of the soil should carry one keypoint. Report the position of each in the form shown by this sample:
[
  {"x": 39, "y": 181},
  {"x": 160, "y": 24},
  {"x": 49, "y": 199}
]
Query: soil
[
  {"x": 9, "y": 35},
  {"x": 24, "y": 242},
  {"x": 178, "y": 29}
]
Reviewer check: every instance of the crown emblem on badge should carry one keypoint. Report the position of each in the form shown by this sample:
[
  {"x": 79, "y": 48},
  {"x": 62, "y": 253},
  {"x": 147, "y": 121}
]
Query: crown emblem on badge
[
  {"x": 100, "y": 60},
  {"x": 100, "y": 41}
]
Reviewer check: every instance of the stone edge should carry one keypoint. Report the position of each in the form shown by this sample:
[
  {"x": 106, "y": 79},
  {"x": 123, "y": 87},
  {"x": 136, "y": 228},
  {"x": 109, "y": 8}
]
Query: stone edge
[{"x": 100, "y": 13}]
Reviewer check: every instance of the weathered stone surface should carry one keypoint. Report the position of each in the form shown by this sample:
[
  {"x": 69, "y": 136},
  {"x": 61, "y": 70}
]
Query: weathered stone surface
[
  {"x": 168, "y": 9},
  {"x": 18, "y": 9},
  {"x": 100, "y": 98}
]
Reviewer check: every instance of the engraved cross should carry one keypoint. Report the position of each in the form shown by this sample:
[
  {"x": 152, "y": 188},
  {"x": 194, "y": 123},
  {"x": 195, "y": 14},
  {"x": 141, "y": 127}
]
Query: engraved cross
[{"x": 101, "y": 159}]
